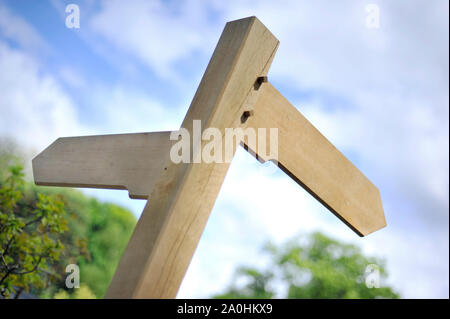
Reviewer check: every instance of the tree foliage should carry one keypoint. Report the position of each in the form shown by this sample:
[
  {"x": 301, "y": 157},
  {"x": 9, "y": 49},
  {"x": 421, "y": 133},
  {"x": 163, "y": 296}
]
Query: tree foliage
[
  {"x": 80, "y": 230},
  {"x": 311, "y": 267},
  {"x": 98, "y": 234},
  {"x": 29, "y": 235}
]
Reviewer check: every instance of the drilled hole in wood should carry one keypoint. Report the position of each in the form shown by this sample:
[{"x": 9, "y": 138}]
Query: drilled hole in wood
[{"x": 245, "y": 116}]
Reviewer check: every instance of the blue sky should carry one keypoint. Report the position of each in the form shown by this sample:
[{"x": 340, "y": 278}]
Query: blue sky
[{"x": 379, "y": 94}]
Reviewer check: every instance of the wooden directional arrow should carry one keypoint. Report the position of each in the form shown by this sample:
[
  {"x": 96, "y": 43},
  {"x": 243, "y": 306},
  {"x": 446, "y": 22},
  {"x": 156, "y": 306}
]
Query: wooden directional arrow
[
  {"x": 233, "y": 93},
  {"x": 121, "y": 161}
]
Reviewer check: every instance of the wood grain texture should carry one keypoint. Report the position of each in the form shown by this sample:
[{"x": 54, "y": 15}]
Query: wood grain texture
[
  {"x": 311, "y": 160},
  {"x": 122, "y": 161},
  {"x": 166, "y": 236}
]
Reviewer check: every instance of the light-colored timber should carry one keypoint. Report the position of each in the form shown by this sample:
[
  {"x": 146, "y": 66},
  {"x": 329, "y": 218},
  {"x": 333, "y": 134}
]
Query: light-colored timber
[
  {"x": 123, "y": 161},
  {"x": 166, "y": 236},
  {"x": 311, "y": 160}
]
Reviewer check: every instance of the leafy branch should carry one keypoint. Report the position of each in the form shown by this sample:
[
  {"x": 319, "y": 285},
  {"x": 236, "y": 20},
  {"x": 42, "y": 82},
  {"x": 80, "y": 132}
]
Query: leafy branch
[{"x": 29, "y": 230}]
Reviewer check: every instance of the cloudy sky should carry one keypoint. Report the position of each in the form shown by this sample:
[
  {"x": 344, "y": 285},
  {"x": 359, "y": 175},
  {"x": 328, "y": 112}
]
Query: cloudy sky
[{"x": 379, "y": 94}]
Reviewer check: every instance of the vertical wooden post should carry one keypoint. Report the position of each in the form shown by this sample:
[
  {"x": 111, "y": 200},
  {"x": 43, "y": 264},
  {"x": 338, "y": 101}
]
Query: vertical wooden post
[{"x": 166, "y": 236}]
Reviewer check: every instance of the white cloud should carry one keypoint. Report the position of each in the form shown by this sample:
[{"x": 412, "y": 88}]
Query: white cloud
[
  {"x": 135, "y": 28},
  {"x": 15, "y": 28},
  {"x": 34, "y": 108},
  {"x": 72, "y": 77},
  {"x": 118, "y": 109}
]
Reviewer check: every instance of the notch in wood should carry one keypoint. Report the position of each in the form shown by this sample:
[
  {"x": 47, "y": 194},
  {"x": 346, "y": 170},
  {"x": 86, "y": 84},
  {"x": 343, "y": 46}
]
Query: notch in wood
[{"x": 260, "y": 80}]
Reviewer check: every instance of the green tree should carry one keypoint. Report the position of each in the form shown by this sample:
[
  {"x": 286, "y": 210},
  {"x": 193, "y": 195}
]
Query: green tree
[
  {"x": 29, "y": 236},
  {"x": 96, "y": 237},
  {"x": 80, "y": 293},
  {"x": 98, "y": 234},
  {"x": 257, "y": 287},
  {"x": 319, "y": 267}
]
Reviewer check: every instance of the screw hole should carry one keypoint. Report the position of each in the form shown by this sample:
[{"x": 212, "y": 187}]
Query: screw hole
[{"x": 245, "y": 116}]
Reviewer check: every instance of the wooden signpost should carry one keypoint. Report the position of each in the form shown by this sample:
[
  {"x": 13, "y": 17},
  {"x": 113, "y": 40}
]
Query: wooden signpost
[{"x": 233, "y": 93}]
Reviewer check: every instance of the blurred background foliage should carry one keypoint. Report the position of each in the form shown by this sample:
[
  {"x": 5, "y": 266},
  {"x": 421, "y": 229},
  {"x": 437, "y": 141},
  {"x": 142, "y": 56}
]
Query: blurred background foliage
[
  {"x": 97, "y": 233},
  {"x": 310, "y": 266},
  {"x": 31, "y": 226}
]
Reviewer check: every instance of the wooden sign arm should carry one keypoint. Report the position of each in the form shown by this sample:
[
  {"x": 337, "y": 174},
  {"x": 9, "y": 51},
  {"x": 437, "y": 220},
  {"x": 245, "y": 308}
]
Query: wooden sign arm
[
  {"x": 122, "y": 161},
  {"x": 313, "y": 162}
]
